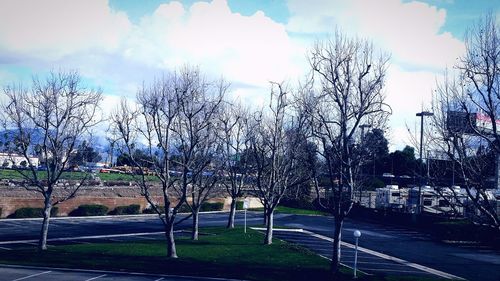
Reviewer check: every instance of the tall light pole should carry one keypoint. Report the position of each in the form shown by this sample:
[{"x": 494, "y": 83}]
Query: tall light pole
[{"x": 421, "y": 115}]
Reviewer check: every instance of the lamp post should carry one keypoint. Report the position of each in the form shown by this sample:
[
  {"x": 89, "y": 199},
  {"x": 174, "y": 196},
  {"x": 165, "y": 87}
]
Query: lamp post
[
  {"x": 356, "y": 234},
  {"x": 421, "y": 115}
]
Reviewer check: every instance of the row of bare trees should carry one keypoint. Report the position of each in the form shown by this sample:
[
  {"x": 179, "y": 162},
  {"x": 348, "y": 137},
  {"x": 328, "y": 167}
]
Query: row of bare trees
[
  {"x": 469, "y": 96},
  {"x": 197, "y": 140}
]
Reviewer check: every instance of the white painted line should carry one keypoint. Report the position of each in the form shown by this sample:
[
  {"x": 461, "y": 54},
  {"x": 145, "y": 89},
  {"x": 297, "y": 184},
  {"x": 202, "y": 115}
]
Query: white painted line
[
  {"x": 387, "y": 257},
  {"x": 279, "y": 229},
  {"x": 82, "y": 237},
  {"x": 109, "y": 272},
  {"x": 395, "y": 270},
  {"x": 32, "y": 275},
  {"x": 97, "y": 277},
  {"x": 5, "y": 248},
  {"x": 159, "y": 279}
]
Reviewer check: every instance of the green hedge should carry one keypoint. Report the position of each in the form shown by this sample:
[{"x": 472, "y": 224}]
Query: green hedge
[
  {"x": 205, "y": 207},
  {"x": 90, "y": 210},
  {"x": 133, "y": 209},
  {"x": 31, "y": 213},
  {"x": 239, "y": 205},
  {"x": 211, "y": 206}
]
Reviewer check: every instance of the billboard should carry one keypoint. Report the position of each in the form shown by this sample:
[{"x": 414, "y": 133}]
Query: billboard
[{"x": 461, "y": 122}]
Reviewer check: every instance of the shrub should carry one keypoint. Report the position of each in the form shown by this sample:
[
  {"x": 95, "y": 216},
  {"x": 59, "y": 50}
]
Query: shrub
[
  {"x": 184, "y": 209},
  {"x": 29, "y": 212},
  {"x": 90, "y": 210},
  {"x": 211, "y": 206},
  {"x": 0, "y": 212},
  {"x": 300, "y": 203},
  {"x": 239, "y": 205},
  {"x": 133, "y": 209},
  {"x": 152, "y": 211}
]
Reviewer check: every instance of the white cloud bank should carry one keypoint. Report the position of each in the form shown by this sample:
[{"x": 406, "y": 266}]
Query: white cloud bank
[{"x": 249, "y": 51}]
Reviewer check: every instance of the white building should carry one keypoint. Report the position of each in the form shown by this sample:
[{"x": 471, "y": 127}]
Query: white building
[{"x": 8, "y": 160}]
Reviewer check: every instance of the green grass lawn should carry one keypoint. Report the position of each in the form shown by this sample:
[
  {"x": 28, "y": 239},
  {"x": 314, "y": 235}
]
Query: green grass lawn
[
  {"x": 14, "y": 175},
  {"x": 229, "y": 253},
  {"x": 223, "y": 253}
]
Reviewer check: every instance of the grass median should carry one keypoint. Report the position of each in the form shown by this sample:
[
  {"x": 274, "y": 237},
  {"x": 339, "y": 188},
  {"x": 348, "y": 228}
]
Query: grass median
[{"x": 221, "y": 253}]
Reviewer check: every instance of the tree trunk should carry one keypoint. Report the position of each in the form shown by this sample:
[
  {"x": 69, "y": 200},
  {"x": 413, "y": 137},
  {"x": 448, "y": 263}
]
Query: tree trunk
[
  {"x": 336, "y": 246},
  {"x": 269, "y": 228},
  {"x": 232, "y": 213},
  {"x": 169, "y": 234},
  {"x": 194, "y": 232},
  {"x": 42, "y": 242},
  {"x": 265, "y": 215}
]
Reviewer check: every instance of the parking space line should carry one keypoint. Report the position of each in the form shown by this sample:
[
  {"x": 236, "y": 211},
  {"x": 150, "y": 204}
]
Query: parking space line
[
  {"x": 387, "y": 257},
  {"x": 159, "y": 279},
  {"x": 5, "y": 248},
  {"x": 97, "y": 277},
  {"x": 32, "y": 275}
]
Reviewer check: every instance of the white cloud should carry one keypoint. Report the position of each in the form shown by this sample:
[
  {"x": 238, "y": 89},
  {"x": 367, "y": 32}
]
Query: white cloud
[
  {"x": 411, "y": 31},
  {"x": 54, "y": 28},
  {"x": 248, "y": 49}
]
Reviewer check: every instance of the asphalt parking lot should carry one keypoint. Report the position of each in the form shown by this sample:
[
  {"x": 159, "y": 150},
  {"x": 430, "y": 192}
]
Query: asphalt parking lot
[
  {"x": 16, "y": 273},
  {"x": 369, "y": 262}
]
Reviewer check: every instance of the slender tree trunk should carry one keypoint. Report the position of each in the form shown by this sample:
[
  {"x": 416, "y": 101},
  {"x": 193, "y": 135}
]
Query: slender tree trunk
[
  {"x": 232, "y": 213},
  {"x": 269, "y": 228},
  {"x": 169, "y": 234},
  {"x": 265, "y": 215},
  {"x": 336, "y": 246},
  {"x": 194, "y": 232},
  {"x": 42, "y": 242}
]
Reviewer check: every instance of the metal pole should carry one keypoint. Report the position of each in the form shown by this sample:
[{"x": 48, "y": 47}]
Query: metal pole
[
  {"x": 356, "y": 257},
  {"x": 245, "y": 220},
  {"x": 419, "y": 202}
]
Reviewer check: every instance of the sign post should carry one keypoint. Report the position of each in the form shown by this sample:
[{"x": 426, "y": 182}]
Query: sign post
[{"x": 246, "y": 204}]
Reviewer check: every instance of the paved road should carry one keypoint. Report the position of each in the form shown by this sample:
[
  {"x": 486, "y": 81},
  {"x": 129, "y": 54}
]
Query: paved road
[
  {"x": 410, "y": 245},
  {"x": 14, "y": 273}
]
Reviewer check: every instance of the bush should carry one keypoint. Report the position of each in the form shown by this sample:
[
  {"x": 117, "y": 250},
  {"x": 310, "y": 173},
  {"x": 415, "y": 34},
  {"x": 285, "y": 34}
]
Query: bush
[
  {"x": 31, "y": 213},
  {"x": 300, "y": 203},
  {"x": 239, "y": 205},
  {"x": 211, "y": 206},
  {"x": 90, "y": 210},
  {"x": 126, "y": 210},
  {"x": 150, "y": 210},
  {"x": 0, "y": 212}
]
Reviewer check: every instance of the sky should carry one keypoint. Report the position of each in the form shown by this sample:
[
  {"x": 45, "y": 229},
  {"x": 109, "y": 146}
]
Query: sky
[{"x": 119, "y": 44}]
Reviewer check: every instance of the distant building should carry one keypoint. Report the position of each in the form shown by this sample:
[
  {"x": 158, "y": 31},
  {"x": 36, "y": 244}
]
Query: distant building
[{"x": 15, "y": 160}]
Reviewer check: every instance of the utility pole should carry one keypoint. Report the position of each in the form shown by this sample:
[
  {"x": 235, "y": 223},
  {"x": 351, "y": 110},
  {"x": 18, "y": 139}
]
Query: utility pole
[{"x": 421, "y": 115}]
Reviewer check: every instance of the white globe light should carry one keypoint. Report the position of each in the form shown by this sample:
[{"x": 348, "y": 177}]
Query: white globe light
[{"x": 357, "y": 233}]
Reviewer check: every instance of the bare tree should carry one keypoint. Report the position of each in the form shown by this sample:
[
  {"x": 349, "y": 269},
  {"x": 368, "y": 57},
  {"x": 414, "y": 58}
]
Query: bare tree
[
  {"x": 196, "y": 141},
  {"x": 49, "y": 118},
  {"x": 172, "y": 117},
  {"x": 273, "y": 149},
  {"x": 467, "y": 108},
  {"x": 345, "y": 91},
  {"x": 232, "y": 134}
]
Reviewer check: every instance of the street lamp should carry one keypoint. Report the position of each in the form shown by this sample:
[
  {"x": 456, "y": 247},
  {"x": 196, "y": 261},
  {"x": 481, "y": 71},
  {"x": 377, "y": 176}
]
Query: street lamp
[
  {"x": 356, "y": 234},
  {"x": 421, "y": 115}
]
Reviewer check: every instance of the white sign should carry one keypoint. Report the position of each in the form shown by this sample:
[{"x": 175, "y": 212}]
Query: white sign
[{"x": 246, "y": 204}]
